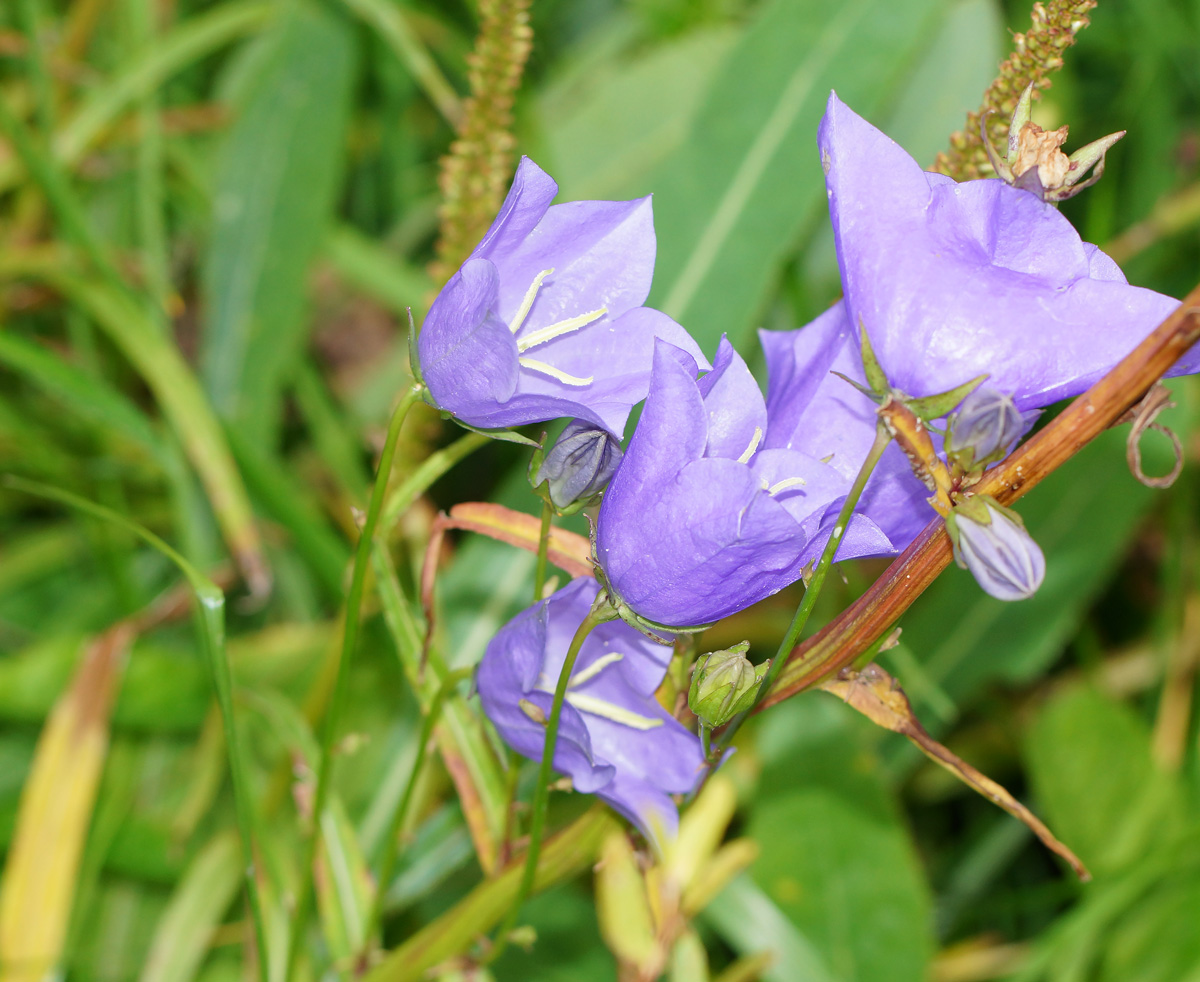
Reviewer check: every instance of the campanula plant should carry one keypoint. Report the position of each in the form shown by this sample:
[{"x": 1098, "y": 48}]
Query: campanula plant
[{"x": 545, "y": 318}]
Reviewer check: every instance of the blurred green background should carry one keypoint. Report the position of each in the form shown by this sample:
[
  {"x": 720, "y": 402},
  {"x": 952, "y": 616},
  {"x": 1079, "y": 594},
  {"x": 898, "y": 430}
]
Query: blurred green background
[{"x": 203, "y": 296}]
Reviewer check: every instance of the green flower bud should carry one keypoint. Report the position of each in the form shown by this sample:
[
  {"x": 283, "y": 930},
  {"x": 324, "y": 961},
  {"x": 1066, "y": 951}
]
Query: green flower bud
[{"x": 725, "y": 683}]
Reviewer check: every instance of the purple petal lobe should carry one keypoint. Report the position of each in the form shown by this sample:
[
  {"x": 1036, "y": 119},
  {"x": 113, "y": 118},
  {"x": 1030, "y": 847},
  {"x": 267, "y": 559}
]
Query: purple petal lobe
[
  {"x": 468, "y": 355},
  {"x": 735, "y": 407},
  {"x": 526, "y": 202},
  {"x": 956, "y": 280}
]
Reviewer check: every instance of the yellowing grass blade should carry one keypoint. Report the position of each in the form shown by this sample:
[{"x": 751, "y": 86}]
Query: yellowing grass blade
[{"x": 55, "y": 813}]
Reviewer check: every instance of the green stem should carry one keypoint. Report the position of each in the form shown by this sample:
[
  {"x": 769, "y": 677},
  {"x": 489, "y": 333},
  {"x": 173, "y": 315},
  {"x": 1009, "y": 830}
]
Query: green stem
[
  {"x": 349, "y": 640},
  {"x": 541, "y": 794},
  {"x": 539, "y": 575},
  {"x": 813, "y": 590},
  {"x": 434, "y": 466},
  {"x": 391, "y": 842}
]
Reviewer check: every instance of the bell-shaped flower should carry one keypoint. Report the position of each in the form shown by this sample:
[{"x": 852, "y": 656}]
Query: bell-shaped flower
[
  {"x": 952, "y": 281},
  {"x": 545, "y": 318},
  {"x": 705, "y": 516},
  {"x": 614, "y": 740}
]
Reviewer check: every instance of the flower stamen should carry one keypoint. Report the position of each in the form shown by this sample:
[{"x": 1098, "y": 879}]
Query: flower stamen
[
  {"x": 527, "y": 301},
  {"x": 607, "y": 710},
  {"x": 754, "y": 442},
  {"x": 595, "y": 668},
  {"x": 540, "y": 366},
  {"x": 787, "y": 482},
  {"x": 557, "y": 330}
]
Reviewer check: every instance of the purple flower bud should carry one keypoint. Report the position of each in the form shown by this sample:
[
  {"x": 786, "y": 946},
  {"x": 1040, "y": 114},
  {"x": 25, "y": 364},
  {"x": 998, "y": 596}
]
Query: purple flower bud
[
  {"x": 984, "y": 428},
  {"x": 614, "y": 740},
  {"x": 991, "y": 542},
  {"x": 579, "y": 465},
  {"x": 545, "y": 317}
]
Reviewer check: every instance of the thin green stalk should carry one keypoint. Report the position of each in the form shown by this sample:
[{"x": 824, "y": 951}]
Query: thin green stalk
[
  {"x": 148, "y": 163},
  {"x": 539, "y": 575},
  {"x": 541, "y": 794},
  {"x": 433, "y": 467},
  {"x": 391, "y": 841},
  {"x": 813, "y": 590},
  {"x": 353, "y": 616},
  {"x": 211, "y": 604},
  {"x": 35, "y": 64}
]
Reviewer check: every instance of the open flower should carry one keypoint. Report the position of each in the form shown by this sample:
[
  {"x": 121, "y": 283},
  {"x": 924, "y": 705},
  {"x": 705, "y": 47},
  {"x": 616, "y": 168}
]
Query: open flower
[
  {"x": 704, "y": 516},
  {"x": 614, "y": 739},
  {"x": 952, "y": 281},
  {"x": 545, "y": 318}
]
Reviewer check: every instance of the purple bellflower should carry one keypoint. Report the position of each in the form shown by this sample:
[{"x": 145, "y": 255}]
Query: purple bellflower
[
  {"x": 545, "y": 318},
  {"x": 614, "y": 739},
  {"x": 705, "y": 516},
  {"x": 952, "y": 281}
]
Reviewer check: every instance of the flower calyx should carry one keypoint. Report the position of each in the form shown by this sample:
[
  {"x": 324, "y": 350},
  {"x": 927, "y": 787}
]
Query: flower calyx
[
  {"x": 725, "y": 683},
  {"x": 1034, "y": 160}
]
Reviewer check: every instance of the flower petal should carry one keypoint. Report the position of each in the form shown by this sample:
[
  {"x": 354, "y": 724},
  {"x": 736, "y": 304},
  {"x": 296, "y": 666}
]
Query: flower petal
[
  {"x": 735, "y": 407},
  {"x": 468, "y": 355},
  {"x": 602, "y": 254},
  {"x": 956, "y": 280},
  {"x": 524, "y": 206}
]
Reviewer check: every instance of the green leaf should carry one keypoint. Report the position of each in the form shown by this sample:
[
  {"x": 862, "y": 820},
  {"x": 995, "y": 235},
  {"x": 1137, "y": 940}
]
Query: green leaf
[
  {"x": 196, "y": 909},
  {"x": 733, "y": 200},
  {"x": 608, "y": 125},
  {"x": 751, "y": 922},
  {"x": 835, "y": 855},
  {"x": 1096, "y": 780},
  {"x": 274, "y": 197}
]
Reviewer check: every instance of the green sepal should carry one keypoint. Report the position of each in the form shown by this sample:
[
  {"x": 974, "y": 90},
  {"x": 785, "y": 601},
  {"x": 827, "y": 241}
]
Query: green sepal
[
  {"x": 870, "y": 394},
  {"x": 414, "y": 362},
  {"x": 504, "y": 435},
  {"x": 937, "y": 406},
  {"x": 1021, "y": 115},
  {"x": 875, "y": 377},
  {"x": 999, "y": 164}
]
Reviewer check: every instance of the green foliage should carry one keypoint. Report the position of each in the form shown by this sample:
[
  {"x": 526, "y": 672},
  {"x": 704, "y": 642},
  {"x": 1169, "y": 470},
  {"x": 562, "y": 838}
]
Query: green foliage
[{"x": 215, "y": 216}]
